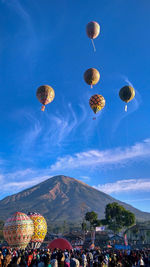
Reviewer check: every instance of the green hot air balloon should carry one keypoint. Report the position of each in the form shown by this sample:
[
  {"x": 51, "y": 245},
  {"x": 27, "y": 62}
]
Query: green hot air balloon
[{"x": 126, "y": 94}]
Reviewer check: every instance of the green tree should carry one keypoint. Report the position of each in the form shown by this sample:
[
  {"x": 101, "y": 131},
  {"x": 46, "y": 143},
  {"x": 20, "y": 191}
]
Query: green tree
[
  {"x": 84, "y": 226},
  {"x": 92, "y": 218},
  {"x": 117, "y": 217}
]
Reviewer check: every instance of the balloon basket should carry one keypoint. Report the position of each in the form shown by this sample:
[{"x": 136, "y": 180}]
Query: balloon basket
[{"x": 43, "y": 108}]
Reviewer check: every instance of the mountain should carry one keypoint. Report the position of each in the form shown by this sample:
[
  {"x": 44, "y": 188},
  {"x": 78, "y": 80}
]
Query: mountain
[{"x": 62, "y": 198}]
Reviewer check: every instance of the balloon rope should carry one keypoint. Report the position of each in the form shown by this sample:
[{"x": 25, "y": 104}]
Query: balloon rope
[
  {"x": 91, "y": 86},
  {"x": 93, "y": 45},
  {"x": 126, "y": 108}
]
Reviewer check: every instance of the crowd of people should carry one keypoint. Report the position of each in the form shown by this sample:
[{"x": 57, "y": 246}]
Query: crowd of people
[{"x": 73, "y": 258}]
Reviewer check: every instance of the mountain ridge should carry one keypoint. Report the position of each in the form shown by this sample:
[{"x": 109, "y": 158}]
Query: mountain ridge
[{"x": 62, "y": 198}]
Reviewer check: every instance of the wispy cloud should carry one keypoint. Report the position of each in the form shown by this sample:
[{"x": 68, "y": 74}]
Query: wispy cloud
[
  {"x": 29, "y": 45},
  {"x": 43, "y": 135},
  {"x": 16, "y": 181},
  {"x": 85, "y": 178},
  {"x": 29, "y": 138},
  {"x": 20, "y": 10},
  {"x": 63, "y": 125},
  {"x": 16, "y": 186},
  {"x": 94, "y": 158},
  {"x": 134, "y": 104},
  {"x": 137, "y": 200},
  {"x": 140, "y": 185}
]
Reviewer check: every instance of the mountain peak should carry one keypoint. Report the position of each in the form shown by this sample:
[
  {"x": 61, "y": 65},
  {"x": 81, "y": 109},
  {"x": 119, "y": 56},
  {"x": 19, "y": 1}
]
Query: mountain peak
[{"x": 61, "y": 198}]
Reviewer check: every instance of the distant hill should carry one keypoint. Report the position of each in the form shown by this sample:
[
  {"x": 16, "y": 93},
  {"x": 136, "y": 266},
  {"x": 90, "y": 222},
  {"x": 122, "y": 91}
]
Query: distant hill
[{"x": 62, "y": 198}]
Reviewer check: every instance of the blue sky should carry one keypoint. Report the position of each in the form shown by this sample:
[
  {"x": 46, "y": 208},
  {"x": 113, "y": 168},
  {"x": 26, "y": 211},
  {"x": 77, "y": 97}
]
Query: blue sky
[{"x": 44, "y": 42}]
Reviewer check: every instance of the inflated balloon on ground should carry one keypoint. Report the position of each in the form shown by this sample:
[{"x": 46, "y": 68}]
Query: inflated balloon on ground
[
  {"x": 92, "y": 76},
  {"x": 45, "y": 94},
  {"x": 97, "y": 102},
  {"x": 40, "y": 229},
  {"x": 18, "y": 230}
]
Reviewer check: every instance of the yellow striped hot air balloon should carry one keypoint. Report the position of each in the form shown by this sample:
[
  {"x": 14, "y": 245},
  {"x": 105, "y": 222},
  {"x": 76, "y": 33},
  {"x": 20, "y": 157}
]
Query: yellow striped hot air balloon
[{"x": 40, "y": 229}]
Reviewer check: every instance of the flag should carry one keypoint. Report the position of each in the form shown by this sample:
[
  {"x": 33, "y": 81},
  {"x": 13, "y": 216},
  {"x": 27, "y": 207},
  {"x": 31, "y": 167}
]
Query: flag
[{"x": 125, "y": 240}]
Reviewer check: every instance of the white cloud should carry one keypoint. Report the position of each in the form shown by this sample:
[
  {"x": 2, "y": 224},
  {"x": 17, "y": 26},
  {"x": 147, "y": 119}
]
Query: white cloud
[
  {"x": 1, "y": 178},
  {"x": 140, "y": 185},
  {"x": 137, "y": 200},
  {"x": 16, "y": 186},
  {"x": 14, "y": 182},
  {"x": 50, "y": 132},
  {"x": 85, "y": 178},
  {"x": 63, "y": 125},
  {"x": 94, "y": 158}
]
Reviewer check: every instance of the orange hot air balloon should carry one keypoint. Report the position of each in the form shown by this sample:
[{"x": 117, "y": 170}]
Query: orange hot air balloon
[
  {"x": 97, "y": 102},
  {"x": 92, "y": 29},
  {"x": 45, "y": 94},
  {"x": 92, "y": 76}
]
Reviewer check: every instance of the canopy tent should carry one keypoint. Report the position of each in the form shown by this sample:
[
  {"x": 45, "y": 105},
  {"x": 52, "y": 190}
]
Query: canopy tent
[{"x": 60, "y": 243}]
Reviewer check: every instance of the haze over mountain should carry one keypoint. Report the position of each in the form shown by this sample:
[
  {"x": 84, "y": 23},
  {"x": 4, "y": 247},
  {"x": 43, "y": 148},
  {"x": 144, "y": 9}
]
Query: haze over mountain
[{"x": 62, "y": 198}]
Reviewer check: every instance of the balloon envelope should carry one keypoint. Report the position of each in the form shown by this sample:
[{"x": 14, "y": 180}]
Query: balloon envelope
[
  {"x": 92, "y": 29},
  {"x": 97, "y": 102},
  {"x": 40, "y": 229},
  {"x": 18, "y": 230},
  {"x": 45, "y": 94},
  {"x": 60, "y": 243},
  {"x": 91, "y": 76},
  {"x": 127, "y": 93}
]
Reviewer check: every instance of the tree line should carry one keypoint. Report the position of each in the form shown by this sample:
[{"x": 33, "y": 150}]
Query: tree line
[{"x": 116, "y": 218}]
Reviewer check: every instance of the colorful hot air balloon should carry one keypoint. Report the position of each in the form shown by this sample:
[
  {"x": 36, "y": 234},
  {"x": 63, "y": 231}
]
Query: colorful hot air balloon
[
  {"x": 93, "y": 30},
  {"x": 97, "y": 102},
  {"x": 91, "y": 76},
  {"x": 45, "y": 94},
  {"x": 18, "y": 230},
  {"x": 40, "y": 229},
  {"x": 126, "y": 94}
]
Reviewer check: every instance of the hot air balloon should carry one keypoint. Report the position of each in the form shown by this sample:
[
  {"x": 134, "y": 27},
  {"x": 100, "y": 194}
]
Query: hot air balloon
[
  {"x": 97, "y": 102},
  {"x": 91, "y": 76},
  {"x": 93, "y": 30},
  {"x": 45, "y": 94},
  {"x": 60, "y": 243},
  {"x": 126, "y": 94},
  {"x": 40, "y": 230},
  {"x": 18, "y": 230}
]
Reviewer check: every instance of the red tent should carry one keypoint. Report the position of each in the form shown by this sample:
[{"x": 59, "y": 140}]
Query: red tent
[{"x": 60, "y": 243}]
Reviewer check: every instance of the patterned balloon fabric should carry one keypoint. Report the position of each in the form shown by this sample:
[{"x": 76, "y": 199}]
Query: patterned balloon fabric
[
  {"x": 97, "y": 102},
  {"x": 45, "y": 94},
  {"x": 40, "y": 229},
  {"x": 18, "y": 230}
]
